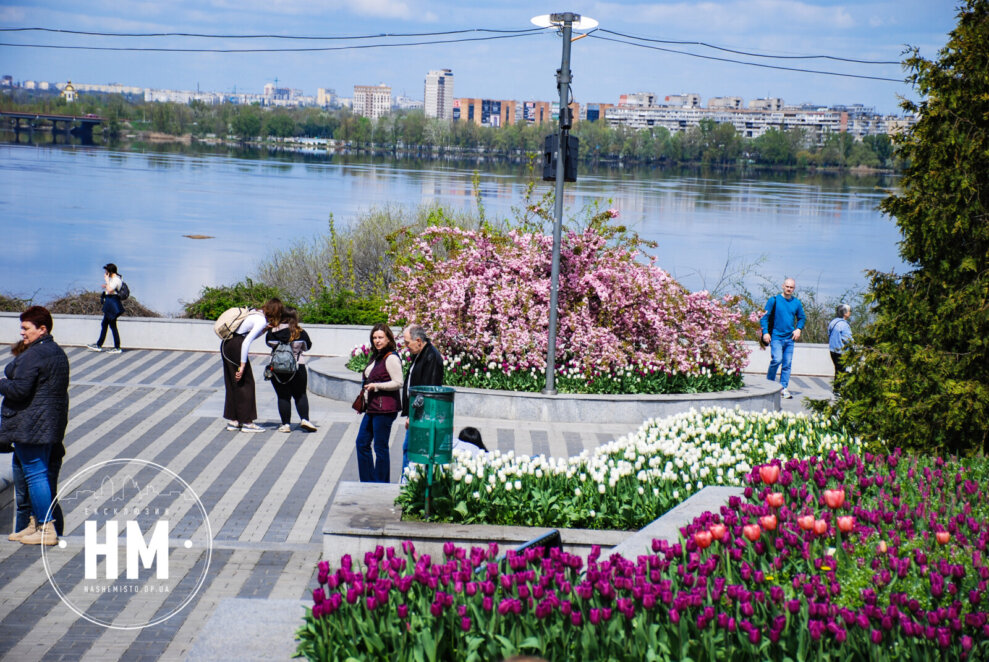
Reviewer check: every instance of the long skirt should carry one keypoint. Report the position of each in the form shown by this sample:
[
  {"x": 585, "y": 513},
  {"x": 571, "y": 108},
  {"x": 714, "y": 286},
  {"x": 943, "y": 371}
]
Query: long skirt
[{"x": 239, "y": 403}]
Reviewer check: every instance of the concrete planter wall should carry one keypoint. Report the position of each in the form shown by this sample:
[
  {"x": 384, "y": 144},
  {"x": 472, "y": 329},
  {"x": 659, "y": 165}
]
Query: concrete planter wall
[
  {"x": 330, "y": 378},
  {"x": 328, "y": 339},
  {"x": 178, "y": 334},
  {"x": 363, "y": 516}
]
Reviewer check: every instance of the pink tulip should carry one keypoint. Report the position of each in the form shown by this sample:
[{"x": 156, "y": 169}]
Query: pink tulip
[
  {"x": 834, "y": 498},
  {"x": 770, "y": 473},
  {"x": 752, "y": 532}
]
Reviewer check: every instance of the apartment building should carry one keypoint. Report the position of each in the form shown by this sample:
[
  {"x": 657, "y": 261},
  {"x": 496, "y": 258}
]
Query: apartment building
[
  {"x": 372, "y": 101},
  {"x": 438, "y": 94}
]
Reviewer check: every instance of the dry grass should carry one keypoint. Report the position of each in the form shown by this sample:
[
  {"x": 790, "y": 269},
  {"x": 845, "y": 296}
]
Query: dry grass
[{"x": 88, "y": 303}]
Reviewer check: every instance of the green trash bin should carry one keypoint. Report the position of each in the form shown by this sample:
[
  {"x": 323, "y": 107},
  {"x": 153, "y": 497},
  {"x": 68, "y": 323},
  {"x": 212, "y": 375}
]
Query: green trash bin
[{"x": 431, "y": 424}]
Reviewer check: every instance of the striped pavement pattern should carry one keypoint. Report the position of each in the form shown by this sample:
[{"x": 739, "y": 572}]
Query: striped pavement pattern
[{"x": 267, "y": 495}]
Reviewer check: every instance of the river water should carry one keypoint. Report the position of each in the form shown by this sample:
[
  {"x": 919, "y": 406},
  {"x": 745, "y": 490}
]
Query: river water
[{"x": 65, "y": 210}]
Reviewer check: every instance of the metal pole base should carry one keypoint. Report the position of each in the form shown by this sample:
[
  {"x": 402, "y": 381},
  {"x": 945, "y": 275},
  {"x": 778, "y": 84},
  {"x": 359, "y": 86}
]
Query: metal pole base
[{"x": 549, "y": 391}]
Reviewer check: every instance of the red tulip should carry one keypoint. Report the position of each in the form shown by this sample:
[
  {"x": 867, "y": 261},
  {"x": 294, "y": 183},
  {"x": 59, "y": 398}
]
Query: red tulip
[
  {"x": 703, "y": 539},
  {"x": 820, "y": 527},
  {"x": 834, "y": 498},
  {"x": 846, "y": 523},
  {"x": 770, "y": 473},
  {"x": 718, "y": 531},
  {"x": 806, "y": 522},
  {"x": 774, "y": 499},
  {"x": 768, "y": 522},
  {"x": 942, "y": 537},
  {"x": 751, "y": 531}
]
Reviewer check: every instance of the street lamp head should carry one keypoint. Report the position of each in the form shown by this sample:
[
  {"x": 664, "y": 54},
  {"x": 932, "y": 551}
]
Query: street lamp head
[{"x": 558, "y": 20}]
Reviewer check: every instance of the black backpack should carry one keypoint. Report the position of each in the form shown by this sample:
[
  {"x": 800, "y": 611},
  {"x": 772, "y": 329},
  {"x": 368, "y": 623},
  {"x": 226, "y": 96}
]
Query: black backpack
[{"x": 124, "y": 292}]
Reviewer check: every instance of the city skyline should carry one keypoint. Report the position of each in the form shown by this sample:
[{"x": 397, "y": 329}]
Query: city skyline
[{"x": 517, "y": 67}]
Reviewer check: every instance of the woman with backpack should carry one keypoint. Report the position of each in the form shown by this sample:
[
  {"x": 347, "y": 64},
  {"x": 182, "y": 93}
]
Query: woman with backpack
[
  {"x": 240, "y": 402},
  {"x": 112, "y": 308},
  {"x": 287, "y": 369},
  {"x": 381, "y": 383}
]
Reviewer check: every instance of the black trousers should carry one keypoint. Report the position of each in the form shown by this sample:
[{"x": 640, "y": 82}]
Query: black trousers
[{"x": 294, "y": 389}]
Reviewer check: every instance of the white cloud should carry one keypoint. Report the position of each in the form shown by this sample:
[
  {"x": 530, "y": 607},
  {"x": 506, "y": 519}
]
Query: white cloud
[
  {"x": 733, "y": 16},
  {"x": 12, "y": 14}
]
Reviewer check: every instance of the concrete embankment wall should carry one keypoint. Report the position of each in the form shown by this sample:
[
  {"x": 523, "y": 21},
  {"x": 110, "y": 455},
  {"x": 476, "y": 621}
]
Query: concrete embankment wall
[{"x": 328, "y": 340}]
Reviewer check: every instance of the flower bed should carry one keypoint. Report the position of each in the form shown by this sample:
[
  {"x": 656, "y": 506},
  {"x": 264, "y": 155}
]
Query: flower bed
[
  {"x": 625, "y": 325},
  {"x": 571, "y": 376},
  {"x": 847, "y": 557},
  {"x": 624, "y": 484}
]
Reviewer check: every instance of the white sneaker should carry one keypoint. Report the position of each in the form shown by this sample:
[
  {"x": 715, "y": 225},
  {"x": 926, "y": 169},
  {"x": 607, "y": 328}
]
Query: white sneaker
[
  {"x": 786, "y": 395},
  {"x": 233, "y": 426},
  {"x": 94, "y": 348},
  {"x": 251, "y": 427},
  {"x": 113, "y": 350},
  {"x": 285, "y": 427},
  {"x": 307, "y": 426}
]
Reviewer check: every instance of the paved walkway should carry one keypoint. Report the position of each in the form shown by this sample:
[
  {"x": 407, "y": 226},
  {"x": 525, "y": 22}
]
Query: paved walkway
[{"x": 266, "y": 494}]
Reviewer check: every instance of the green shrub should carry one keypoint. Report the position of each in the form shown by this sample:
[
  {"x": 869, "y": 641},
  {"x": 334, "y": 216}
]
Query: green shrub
[
  {"x": 343, "y": 308},
  {"x": 213, "y": 301}
]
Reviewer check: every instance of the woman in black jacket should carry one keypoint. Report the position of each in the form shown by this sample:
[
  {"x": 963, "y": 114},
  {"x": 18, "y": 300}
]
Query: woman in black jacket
[
  {"x": 35, "y": 413},
  {"x": 291, "y": 387}
]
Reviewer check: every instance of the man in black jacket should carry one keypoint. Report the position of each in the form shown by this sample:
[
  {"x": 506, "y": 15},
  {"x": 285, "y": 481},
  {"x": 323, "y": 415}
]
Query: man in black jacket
[{"x": 426, "y": 370}]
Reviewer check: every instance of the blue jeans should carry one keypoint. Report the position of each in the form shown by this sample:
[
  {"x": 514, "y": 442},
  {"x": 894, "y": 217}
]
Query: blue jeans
[
  {"x": 376, "y": 428},
  {"x": 34, "y": 464},
  {"x": 23, "y": 500},
  {"x": 781, "y": 351}
]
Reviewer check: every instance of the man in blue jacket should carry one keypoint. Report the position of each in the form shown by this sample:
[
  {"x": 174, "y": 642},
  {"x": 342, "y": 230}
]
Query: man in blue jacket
[{"x": 781, "y": 327}]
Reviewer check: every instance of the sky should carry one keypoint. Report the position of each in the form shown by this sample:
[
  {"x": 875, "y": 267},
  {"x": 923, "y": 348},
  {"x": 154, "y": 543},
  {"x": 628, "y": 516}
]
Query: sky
[{"x": 521, "y": 67}]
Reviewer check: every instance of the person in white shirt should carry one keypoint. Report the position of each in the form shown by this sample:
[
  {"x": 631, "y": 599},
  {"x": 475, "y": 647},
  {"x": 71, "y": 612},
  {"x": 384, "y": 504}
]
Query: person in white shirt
[
  {"x": 112, "y": 309},
  {"x": 240, "y": 402}
]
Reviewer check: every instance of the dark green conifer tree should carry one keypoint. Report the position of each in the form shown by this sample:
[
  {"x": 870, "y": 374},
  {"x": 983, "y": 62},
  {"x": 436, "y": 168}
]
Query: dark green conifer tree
[{"x": 919, "y": 376}]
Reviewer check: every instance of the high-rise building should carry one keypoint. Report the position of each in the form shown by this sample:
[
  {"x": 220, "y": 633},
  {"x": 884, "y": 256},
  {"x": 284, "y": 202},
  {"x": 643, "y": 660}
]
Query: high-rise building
[
  {"x": 439, "y": 94},
  {"x": 372, "y": 101}
]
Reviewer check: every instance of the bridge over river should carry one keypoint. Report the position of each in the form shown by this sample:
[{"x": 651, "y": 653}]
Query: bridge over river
[{"x": 78, "y": 125}]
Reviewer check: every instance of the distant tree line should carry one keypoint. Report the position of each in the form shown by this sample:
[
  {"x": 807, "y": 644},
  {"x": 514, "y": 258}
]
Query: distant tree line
[{"x": 709, "y": 143}]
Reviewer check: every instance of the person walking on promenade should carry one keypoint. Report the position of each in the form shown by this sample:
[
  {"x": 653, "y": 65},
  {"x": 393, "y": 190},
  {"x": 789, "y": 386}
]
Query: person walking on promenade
[
  {"x": 294, "y": 387},
  {"x": 24, "y": 522},
  {"x": 839, "y": 335},
  {"x": 381, "y": 383},
  {"x": 781, "y": 327},
  {"x": 240, "y": 401},
  {"x": 35, "y": 413},
  {"x": 112, "y": 309},
  {"x": 426, "y": 369}
]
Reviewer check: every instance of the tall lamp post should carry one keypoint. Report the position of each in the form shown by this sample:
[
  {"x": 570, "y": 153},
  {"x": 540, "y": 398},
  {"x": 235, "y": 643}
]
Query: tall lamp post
[{"x": 566, "y": 22}]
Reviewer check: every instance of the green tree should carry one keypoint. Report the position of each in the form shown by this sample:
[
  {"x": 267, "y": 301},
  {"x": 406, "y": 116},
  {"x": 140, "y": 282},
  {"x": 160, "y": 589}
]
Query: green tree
[
  {"x": 246, "y": 124},
  {"x": 920, "y": 374},
  {"x": 278, "y": 124}
]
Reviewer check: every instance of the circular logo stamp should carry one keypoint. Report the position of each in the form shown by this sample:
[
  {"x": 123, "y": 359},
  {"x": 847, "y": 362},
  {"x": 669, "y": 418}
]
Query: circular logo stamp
[{"x": 136, "y": 544}]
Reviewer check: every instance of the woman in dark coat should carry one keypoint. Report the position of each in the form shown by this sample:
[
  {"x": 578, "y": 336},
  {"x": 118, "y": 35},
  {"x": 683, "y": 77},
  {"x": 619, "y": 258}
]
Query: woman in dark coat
[{"x": 35, "y": 413}]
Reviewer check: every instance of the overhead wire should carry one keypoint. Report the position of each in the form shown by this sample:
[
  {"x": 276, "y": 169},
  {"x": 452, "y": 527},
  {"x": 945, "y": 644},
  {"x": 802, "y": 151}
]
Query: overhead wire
[
  {"x": 750, "y": 53},
  {"x": 163, "y": 49},
  {"x": 267, "y": 36},
  {"x": 750, "y": 64}
]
